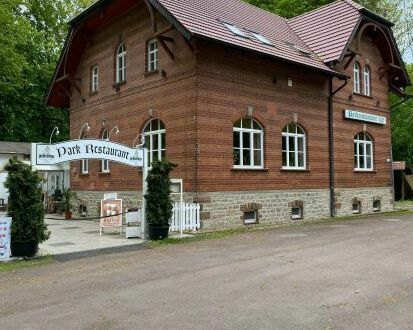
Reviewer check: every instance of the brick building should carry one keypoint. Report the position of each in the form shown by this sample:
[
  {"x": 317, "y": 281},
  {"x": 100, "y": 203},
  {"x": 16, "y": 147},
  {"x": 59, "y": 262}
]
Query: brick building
[{"x": 268, "y": 119}]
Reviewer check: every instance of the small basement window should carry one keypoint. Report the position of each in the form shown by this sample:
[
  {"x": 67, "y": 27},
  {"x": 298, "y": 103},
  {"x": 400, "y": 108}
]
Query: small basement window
[
  {"x": 376, "y": 205},
  {"x": 356, "y": 207},
  {"x": 250, "y": 217},
  {"x": 296, "y": 213}
]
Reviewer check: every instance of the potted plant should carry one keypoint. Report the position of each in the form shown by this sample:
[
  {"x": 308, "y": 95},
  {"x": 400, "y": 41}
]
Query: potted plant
[
  {"x": 67, "y": 198},
  {"x": 25, "y": 208},
  {"x": 159, "y": 203}
]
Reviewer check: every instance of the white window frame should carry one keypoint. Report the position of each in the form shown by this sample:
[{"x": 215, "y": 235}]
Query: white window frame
[
  {"x": 105, "y": 168},
  {"x": 363, "y": 143},
  {"x": 296, "y": 136},
  {"x": 150, "y": 150},
  {"x": 84, "y": 163},
  {"x": 121, "y": 63},
  {"x": 94, "y": 79},
  {"x": 356, "y": 78},
  {"x": 251, "y": 132},
  {"x": 367, "y": 80},
  {"x": 152, "y": 55}
]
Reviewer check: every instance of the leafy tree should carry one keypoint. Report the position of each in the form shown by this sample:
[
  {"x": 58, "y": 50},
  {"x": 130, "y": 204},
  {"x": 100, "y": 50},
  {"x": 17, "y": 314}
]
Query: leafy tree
[
  {"x": 25, "y": 203},
  {"x": 402, "y": 125},
  {"x": 32, "y": 37}
]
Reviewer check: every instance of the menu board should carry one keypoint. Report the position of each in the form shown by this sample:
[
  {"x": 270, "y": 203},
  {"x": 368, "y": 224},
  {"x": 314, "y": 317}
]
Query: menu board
[
  {"x": 5, "y": 237},
  {"x": 110, "y": 213}
]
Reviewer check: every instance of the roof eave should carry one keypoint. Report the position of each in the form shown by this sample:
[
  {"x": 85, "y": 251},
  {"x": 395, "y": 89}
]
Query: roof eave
[{"x": 328, "y": 72}]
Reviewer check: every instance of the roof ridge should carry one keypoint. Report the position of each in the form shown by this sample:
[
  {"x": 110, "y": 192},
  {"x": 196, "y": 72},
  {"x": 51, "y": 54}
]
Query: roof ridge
[{"x": 314, "y": 10}]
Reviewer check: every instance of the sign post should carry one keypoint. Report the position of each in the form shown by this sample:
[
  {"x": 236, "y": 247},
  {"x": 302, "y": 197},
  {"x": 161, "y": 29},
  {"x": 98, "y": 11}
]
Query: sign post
[
  {"x": 144, "y": 190},
  {"x": 5, "y": 237}
]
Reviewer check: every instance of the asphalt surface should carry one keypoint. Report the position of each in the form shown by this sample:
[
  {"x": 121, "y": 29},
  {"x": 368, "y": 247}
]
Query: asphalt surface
[{"x": 352, "y": 274}]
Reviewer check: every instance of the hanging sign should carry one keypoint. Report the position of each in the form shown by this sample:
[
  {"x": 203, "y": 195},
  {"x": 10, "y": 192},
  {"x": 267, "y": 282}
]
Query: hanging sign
[
  {"x": 51, "y": 154},
  {"x": 366, "y": 117},
  {"x": 5, "y": 237}
]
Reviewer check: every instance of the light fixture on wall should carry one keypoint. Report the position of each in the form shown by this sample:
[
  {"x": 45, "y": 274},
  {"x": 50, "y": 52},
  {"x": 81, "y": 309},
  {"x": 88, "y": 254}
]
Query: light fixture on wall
[
  {"x": 56, "y": 129},
  {"x": 85, "y": 127},
  {"x": 141, "y": 137},
  {"x": 114, "y": 129}
]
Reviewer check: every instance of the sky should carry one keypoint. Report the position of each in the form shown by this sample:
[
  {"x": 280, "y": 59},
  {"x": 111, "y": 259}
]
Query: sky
[{"x": 408, "y": 57}]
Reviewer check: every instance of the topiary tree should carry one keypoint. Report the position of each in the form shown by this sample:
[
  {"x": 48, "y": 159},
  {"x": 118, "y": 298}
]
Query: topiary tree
[
  {"x": 25, "y": 203},
  {"x": 159, "y": 202}
]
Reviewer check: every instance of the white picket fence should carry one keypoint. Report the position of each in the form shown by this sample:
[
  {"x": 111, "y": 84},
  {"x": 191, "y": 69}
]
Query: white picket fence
[{"x": 190, "y": 217}]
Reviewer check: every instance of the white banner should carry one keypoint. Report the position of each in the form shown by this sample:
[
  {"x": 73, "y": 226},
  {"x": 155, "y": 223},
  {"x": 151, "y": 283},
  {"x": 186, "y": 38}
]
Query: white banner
[
  {"x": 51, "y": 154},
  {"x": 362, "y": 116},
  {"x": 5, "y": 237}
]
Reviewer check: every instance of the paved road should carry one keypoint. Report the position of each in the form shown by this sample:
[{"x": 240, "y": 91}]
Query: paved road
[{"x": 354, "y": 274}]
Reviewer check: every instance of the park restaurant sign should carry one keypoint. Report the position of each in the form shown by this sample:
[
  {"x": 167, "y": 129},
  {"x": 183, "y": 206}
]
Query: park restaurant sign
[{"x": 51, "y": 154}]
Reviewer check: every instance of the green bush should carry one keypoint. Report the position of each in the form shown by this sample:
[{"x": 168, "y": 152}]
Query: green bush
[
  {"x": 67, "y": 197},
  {"x": 25, "y": 203},
  {"x": 159, "y": 202}
]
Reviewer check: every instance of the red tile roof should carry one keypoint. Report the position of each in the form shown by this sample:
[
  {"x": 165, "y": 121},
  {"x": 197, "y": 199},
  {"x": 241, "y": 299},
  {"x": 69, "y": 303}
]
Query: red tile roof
[
  {"x": 203, "y": 18},
  {"x": 328, "y": 29}
]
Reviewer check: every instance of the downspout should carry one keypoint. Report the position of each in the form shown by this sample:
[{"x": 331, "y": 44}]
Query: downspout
[{"x": 331, "y": 94}]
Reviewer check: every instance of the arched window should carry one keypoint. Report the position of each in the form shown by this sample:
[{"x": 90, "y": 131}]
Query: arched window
[
  {"x": 104, "y": 162},
  {"x": 248, "y": 144},
  {"x": 84, "y": 163},
  {"x": 121, "y": 63},
  {"x": 154, "y": 133},
  {"x": 363, "y": 152},
  {"x": 367, "y": 80},
  {"x": 356, "y": 77},
  {"x": 293, "y": 147}
]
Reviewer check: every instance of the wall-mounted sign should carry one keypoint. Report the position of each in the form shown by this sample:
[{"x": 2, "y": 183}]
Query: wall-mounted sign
[
  {"x": 366, "y": 117},
  {"x": 110, "y": 212},
  {"x": 110, "y": 196},
  {"x": 51, "y": 154},
  {"x": 5, "y": 236}
]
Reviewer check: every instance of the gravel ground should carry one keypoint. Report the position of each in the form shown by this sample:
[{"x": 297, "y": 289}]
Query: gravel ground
[{"x": 352, "y": 274}]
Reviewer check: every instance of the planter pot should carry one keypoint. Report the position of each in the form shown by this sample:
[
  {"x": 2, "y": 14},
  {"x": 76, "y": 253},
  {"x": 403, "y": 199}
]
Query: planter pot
[
  {"x": 68, "y": 215},
  {"x": 24, "y": 249},
  {"x": 157, "y": 233}
]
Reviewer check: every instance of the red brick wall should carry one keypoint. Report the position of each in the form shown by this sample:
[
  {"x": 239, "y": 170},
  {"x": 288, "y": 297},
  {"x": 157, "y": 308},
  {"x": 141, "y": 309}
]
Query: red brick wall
[
  {"x": 345, "y": 129},
  {"x": 204, "y": 94}
]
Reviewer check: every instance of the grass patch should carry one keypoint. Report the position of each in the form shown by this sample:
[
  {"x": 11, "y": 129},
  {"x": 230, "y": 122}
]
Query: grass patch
[
  {"x": 24, "y": 263},
  {"x": 249, "y": 229},
  {"x": 407, "y": 202}
]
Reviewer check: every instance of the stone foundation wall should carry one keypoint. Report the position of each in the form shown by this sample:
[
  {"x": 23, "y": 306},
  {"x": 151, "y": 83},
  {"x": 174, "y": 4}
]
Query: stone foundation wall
[
  {"x": 344, "y": 199},
  {"x": 221, "y": 210}
]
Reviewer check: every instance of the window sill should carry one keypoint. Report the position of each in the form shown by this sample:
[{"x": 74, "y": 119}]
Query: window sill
[
  {"x": 362, "y": 95},
  {"x": 103, "y": 173},
  {"x": 118, "y": 84},
  {"x": 93, "y": 93},
  {"x": 365, "y": 171},
  {"x": 286, "y": 169},
  {"x": 151, "y": 73},
  {"x": 84, "y": 174},
  {"x": 246, "y": 169}
]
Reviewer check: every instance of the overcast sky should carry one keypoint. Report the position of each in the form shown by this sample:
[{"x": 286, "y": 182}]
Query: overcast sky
[{"x": 408, "y": 57}]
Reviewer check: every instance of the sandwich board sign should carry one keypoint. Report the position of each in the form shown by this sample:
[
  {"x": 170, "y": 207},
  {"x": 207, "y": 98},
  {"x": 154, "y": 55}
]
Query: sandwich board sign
[
  {"x": 5, "y": 237},
  {"x": 111, "y": 214}
]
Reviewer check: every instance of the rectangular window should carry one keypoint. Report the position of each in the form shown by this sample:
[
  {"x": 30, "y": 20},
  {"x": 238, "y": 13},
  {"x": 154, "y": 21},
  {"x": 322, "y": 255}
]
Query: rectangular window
[
  {"x": 152, "y": 55},
  {"x": 235, "y": 30},
  {"x": 296, "y": 213},
  {"x": 250, "y": 217},
  {"x": 356, "y": 207},
  {"x": 376, "y": 206},
  {"x": 85, "y": 166},
  {"x": 94, "y": 79}
]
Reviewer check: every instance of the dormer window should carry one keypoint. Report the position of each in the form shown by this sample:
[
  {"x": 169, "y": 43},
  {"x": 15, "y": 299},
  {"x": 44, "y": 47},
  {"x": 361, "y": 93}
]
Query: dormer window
[
  {"x": 235, "y": 30},
  {"x": 121, "y": 64},
  {"x": 367, "y": 79},
  {"x": 356, "y": 78}
]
